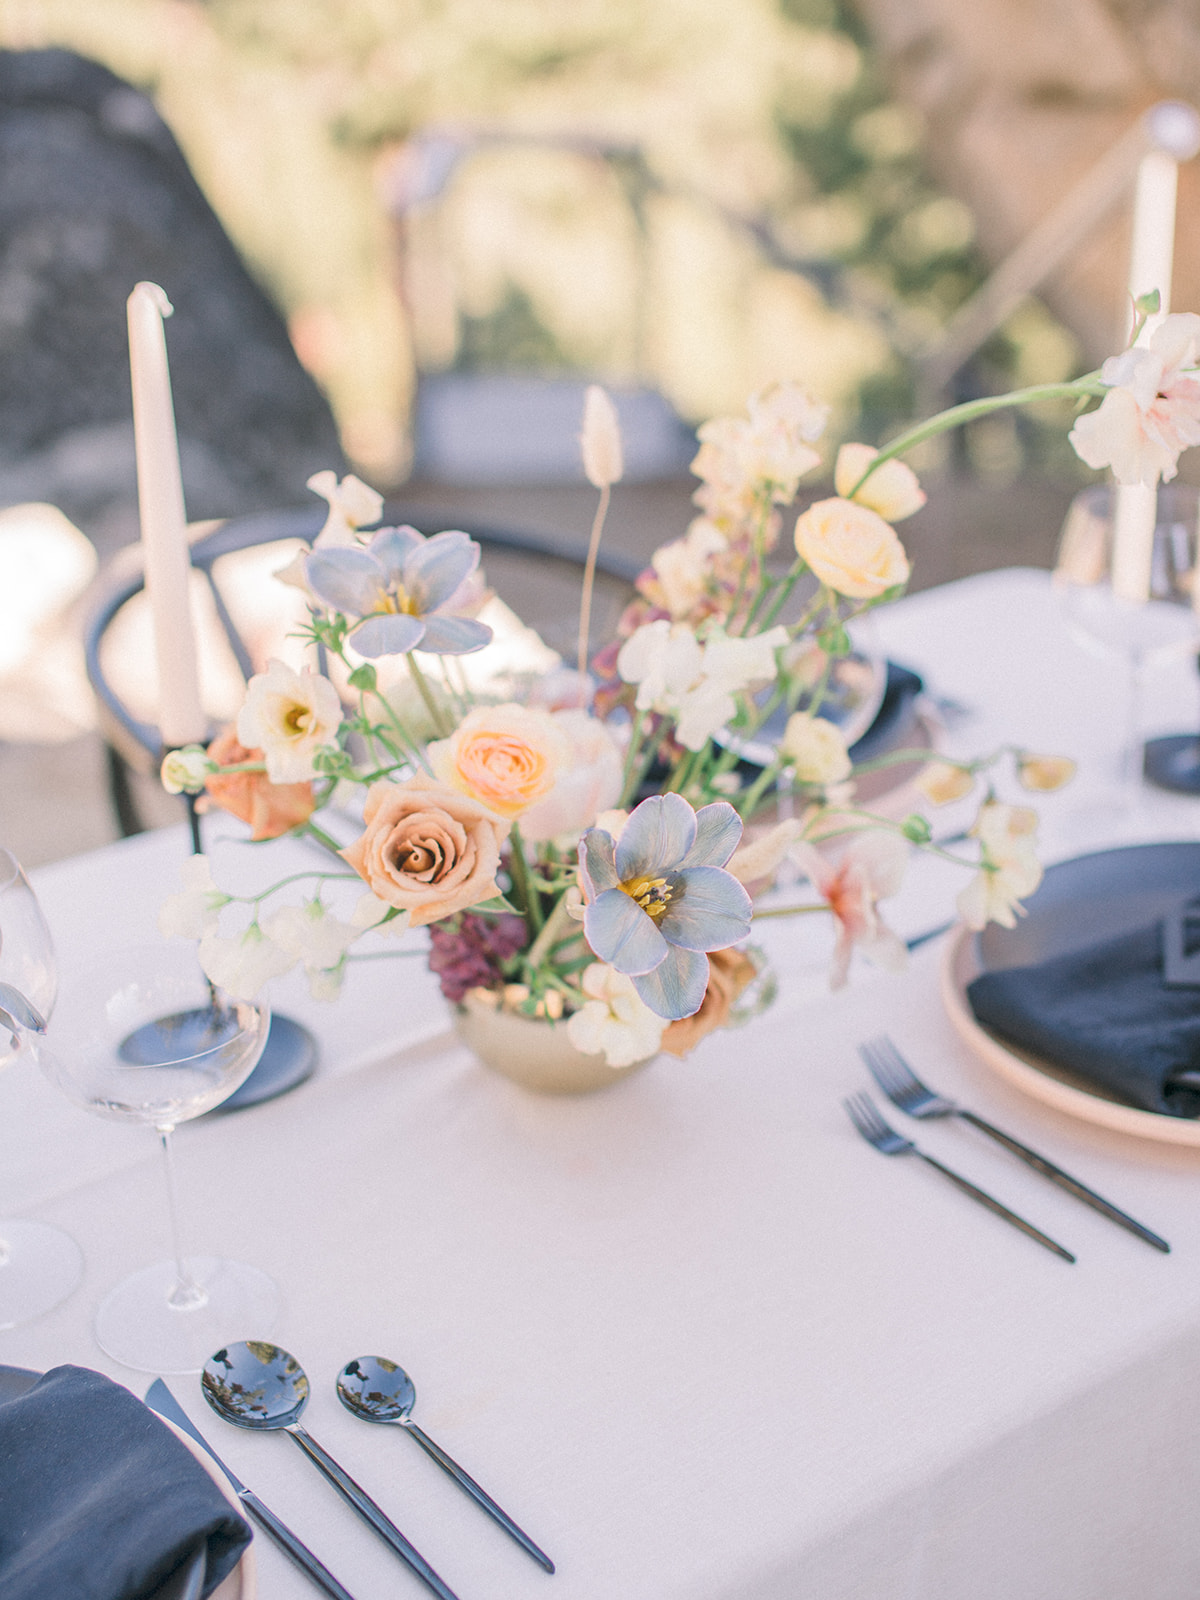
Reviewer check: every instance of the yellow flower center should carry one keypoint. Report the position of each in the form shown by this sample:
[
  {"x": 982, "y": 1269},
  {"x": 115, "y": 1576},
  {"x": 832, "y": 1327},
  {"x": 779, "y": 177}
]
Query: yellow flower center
[
  {"x": 297, "y": 719},
  {"x": 654, "y": 895},
  {"x": 397, "y": 600}
]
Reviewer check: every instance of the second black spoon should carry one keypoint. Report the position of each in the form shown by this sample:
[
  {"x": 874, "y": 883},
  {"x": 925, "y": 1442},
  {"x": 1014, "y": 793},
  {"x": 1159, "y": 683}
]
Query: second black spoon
[{"x": 377, "y": 1390}]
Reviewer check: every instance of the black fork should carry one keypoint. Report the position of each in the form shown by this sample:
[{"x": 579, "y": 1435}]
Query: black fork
[
  {"x": 864, "y": 1115},
  {"x": 906, "y": 1091}
]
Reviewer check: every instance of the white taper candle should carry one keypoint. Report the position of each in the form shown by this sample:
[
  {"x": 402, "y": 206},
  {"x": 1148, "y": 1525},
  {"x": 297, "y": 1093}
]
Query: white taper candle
[{"x": 168, "y": 566}]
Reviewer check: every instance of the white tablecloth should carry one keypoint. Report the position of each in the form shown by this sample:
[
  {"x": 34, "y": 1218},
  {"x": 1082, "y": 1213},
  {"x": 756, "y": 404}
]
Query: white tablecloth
[{"x": 691, "y": 1331}]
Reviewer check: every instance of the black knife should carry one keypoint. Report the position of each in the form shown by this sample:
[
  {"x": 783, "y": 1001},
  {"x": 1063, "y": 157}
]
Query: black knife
[{"x": 159, "y": 1398}]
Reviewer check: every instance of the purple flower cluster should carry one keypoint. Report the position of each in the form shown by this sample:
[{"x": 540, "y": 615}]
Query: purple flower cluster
[{"x": 470, "y": 952}]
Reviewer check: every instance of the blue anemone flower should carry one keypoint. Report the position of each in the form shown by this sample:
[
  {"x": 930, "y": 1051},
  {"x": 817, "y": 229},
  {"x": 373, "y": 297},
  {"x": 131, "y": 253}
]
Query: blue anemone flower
[
  {"x": 658, "y": 898},
  {"x": 397, "y": 584}
]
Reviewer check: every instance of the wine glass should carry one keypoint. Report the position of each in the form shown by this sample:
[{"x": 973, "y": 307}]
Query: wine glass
[
  {"x": 39, "y": 1265},
  {"x": 142, "y": 1036},
  {"x": 1145, "y": 633}
]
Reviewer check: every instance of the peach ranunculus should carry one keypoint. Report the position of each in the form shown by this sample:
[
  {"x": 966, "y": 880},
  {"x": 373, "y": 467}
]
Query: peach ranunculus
[
  {"x": 507, "y": 757},
  {"x": 851, "y": 548},
  {"x": 729, "y": 973},
  {"x": 427, "y": 850},
  {"x": 270, "y": 808},
  {"x": 892, "y": 489},
  {"x": 588, "y": 782}
]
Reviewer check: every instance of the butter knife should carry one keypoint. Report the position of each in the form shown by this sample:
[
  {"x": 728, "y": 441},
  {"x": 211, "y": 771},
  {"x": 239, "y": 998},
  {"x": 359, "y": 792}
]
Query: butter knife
[{"x": 159, "y": 1398}]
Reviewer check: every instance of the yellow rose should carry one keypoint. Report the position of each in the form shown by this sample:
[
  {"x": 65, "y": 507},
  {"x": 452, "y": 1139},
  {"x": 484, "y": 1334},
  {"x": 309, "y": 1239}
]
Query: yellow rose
[
  {"x": 507, "y": 757},
  {"x": 892, "y": 489},
  {"x": 851, "y": 548}
]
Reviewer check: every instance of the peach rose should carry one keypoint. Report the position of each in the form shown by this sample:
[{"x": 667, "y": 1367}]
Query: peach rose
[
  {"x": 588, "y": 782},
  {"x": 427, "y": 850},
  {"x": 506, "y": 757},
  {"x": 729, "y": 973},
  {"x": 851, "y": 548},
  {"x": 269, "y": 808}
]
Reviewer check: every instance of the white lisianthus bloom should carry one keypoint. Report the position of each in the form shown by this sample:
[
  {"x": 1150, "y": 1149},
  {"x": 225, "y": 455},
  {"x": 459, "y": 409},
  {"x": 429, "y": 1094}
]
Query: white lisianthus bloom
[
  {"x": 196, "y": 908},
  {"x": 892, "y": 490},
  {"x": 683, "y": 566},
  {"x": 1151, "y": 412},
  {"x": 600, "y": 441},
  {"x": 816, "y": 749},
  {"x": 1009, "y": 867},
  {"x": 242, "y": 965},
  {"x": 184, "y": 771},
  {"x": 615, "y": 1021},
  {"x": 944, "y": 781},
  {"x": 289, "y": 716}
]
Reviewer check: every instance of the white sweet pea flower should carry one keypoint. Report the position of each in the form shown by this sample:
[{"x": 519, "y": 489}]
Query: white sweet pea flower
[
  {"x": 242, "y": 965},
  {"x": 870, "y": 869},
  {"x": 683, "y": 567},
  {"x": 311, "y": 933},
  {"x": 615, "y": 1021},
  {"x": 1009, "y": 867},
  {"x": 184, "y": 771},
  {"x": 289, "y": 716},
  {"x": 352, "y": 505},
  {"x": 196, "y": 908},
  {"x": 695, "y": 683},
  {"x": 1151, "y": 412}
]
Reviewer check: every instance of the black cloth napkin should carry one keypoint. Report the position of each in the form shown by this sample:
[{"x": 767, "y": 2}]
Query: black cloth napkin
[
  {"x": 1105, "y": 1014},
  {"x": 100, "y": 1501}
]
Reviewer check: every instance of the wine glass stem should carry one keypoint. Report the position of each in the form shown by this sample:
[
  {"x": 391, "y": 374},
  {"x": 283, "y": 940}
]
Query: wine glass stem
[{"x": 185, "y": 1294}]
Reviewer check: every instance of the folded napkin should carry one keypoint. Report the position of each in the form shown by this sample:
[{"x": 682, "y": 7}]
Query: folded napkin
[
  {"x": 1105, "y": 1014},
  {"x": 100, "y": 1501}
]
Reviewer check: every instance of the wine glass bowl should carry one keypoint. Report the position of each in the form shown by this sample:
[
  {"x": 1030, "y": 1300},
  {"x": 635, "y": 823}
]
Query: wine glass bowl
[
  {"x": 26, "y": 950},
  {"x": 142, "y": 1036}
]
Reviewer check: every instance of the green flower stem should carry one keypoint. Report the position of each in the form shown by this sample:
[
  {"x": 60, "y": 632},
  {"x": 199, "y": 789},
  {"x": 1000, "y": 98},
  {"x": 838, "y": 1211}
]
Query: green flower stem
[
  {"x": 407, "y": 742},
  {"x": 789, "y": 582},
  {"x": 631, "y": 757},
  {"x": 1083, "y": 388},
  {"x": 323, "y": 839},
  {"x": 554, "y": 931},
  {"x": 520, "y": 871},
  {"x": 426, "y": 693},
  {"x": 748, "y": 801},
  {"x": 589, "y": 578},
  {"x": 872, "y": 823},
  {"x": 241, "y": 766},
  {"x": 387, "y": 955},
  {"x": 789, "y": 911},
  {"x": 295, "y": 877}
]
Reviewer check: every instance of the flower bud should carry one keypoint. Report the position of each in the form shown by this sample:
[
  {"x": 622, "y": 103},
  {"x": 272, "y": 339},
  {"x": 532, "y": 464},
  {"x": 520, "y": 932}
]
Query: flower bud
[
  {"x": 603, "y": 462},
  {"x": 184, "y": 771}
]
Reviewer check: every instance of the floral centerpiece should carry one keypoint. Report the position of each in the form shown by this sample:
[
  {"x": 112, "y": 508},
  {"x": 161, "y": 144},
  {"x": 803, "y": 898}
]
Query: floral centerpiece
[{"x": 584, "y": 848}]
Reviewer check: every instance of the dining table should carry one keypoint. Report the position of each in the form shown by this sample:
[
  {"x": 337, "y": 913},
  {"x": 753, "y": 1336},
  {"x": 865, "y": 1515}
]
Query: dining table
[{"x": 695, "y": 1335}]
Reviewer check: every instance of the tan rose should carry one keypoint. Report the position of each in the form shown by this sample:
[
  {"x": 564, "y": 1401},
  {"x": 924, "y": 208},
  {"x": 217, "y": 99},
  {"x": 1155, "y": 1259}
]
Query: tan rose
[
  {"x": 427, "y": 850},
  {"x": 506, "y": 757},
  {"x": 729, "y": 972},
  {"x": 269, "y": 808},
  {"x": 851, "y": 548}
]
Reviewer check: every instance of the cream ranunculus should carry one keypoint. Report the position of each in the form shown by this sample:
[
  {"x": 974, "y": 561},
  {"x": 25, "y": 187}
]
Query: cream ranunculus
[
  {"x": 289, "y": 716},
  {"x": 614, "y": 1021},
  {"x": 588, "y": 782},
  {"x": 427, "y": 849},
  {"x": 892, "y": 489},
  {"x": 507, "y": 757},
  {"x": 816, "y": 749},
  {"x": 851, "y": 548},
  {"x": 184, "y": 771}
]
